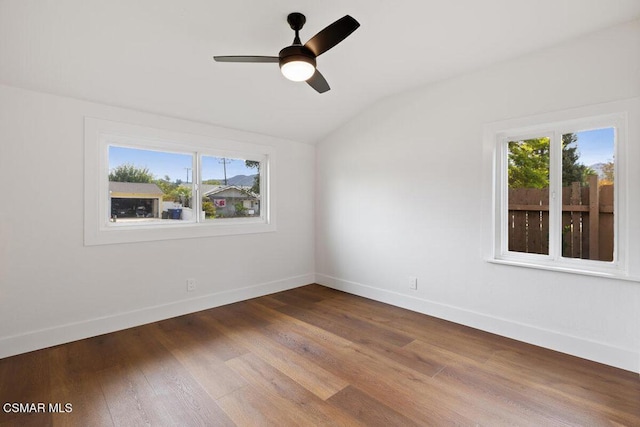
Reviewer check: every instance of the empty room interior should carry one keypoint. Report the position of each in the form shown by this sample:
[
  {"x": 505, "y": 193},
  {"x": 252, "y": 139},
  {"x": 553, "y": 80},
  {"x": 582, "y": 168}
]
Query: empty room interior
[{"x": 320, "y": 213}]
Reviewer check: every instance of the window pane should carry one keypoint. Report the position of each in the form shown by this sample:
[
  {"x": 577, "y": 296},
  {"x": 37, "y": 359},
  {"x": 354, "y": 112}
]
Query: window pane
[
  {"x": 528, "y": 203},
  {"x": 587, "y": 194},
  {"x": 230, "y": 188},
  {"x": 147, "y": 186}
]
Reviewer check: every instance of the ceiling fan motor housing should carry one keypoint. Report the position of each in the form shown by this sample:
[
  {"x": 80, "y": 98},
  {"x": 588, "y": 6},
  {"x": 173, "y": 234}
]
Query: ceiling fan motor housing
[{"x": 296, "y": 53}]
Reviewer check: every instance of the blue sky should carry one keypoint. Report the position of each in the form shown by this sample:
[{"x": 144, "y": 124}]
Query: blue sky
[
  {"x": 176, "y": 165},
  {"x": 595, "y": 146}
]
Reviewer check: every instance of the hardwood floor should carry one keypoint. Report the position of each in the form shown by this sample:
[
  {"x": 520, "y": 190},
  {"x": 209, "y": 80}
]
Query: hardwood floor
[{"x": 313, "y": 356}]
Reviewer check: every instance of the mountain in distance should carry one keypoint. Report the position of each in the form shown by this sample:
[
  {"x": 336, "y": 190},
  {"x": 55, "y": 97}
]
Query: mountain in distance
[
  {"x": 238, "y": 180},
  {"x": 241, "y": 180},
  {"x": 598, "y": 169}
]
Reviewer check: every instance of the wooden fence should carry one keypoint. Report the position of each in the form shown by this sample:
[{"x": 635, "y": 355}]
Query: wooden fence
[{"x": 587, "y": 220}]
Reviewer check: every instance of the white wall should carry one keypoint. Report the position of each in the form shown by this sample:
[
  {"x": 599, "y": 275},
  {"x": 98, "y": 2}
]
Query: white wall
[
  {"x": 53, "y": 289},
  {"x": 400, "y": 191}
]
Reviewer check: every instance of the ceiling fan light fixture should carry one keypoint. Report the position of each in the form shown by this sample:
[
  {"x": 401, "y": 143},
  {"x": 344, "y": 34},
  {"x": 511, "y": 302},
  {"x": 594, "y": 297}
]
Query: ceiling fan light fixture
[{"x": 297, "y": 67}]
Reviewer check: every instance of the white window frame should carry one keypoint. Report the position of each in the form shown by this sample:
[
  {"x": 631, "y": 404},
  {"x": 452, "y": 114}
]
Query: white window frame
[
  {"x": 622, "y": 116},
  {"x": 98, "y": 227}
]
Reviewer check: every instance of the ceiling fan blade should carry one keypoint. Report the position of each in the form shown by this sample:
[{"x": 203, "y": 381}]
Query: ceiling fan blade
[
  {"x": 332, "y": 35},
  {"x": 239, "y": 58},
  {"x": 318, "y": 82}
]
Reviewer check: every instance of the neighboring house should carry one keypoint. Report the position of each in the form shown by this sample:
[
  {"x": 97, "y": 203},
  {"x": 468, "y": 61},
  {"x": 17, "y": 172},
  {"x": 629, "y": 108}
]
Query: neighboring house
[
  {"x": 227, "y": 198},
  {"x": 135, "y": 199}
]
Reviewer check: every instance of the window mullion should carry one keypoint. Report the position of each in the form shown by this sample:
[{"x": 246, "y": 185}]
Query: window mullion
[
  {"x": 265, "y": 188},
  {"x": 555, "y": 196},
  {"x": 195, "y": 182},
  {"x": 503, "y": 188}
]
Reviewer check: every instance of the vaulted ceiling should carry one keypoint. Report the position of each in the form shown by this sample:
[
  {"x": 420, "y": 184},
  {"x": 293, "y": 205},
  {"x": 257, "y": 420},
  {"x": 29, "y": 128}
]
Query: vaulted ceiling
[{"x": 156, "y": 55}]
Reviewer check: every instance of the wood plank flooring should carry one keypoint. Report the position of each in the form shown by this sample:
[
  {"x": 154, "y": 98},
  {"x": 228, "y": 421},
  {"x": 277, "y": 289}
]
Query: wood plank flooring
[{"x": 313, "y": 356}]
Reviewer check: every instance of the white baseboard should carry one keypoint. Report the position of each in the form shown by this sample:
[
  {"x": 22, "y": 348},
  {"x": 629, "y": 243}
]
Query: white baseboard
[
  {"x": 576, "y": 346},
  {"x": 587, "y": 349},
  {"x": 43, "y": 338}
]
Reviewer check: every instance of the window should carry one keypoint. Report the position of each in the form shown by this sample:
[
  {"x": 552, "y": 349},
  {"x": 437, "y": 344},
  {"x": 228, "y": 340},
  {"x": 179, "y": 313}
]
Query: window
[
  {"x": 586, "y": 199},
  {"x": 560, "y": 191},
  {"x": 148, "y": 184}
]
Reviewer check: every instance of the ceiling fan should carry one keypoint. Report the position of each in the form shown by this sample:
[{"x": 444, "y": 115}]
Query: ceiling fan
[{"x": 298, "y": 62}]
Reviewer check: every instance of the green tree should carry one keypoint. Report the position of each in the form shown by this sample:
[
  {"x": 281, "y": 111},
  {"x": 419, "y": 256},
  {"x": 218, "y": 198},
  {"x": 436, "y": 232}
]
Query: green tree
[
  {"x": 130, "y": 173},
  {"x": 608, "y": 170},
  {"x": 212, "y": 182},
  {"x": 256, "y": 179},
  {"x": 208, "y": 207},
  {"x": 529, "y": 163},
  {"x": 240, "y": 209},
  {"x": 182, "y": 194},
  {"x": 572, "y": 169},
  {"x": 166, "y": 185}
]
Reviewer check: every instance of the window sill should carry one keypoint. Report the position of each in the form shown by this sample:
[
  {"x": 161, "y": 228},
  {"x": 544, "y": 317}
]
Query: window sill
[
  {"x": 132, "y": 234},
  {"x": 609, "y": 273}
]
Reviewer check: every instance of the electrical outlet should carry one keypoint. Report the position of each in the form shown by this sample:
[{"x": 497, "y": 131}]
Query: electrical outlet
[
  {"x": 413, "y": 283},
  {"x": 191, "y": 285}
]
